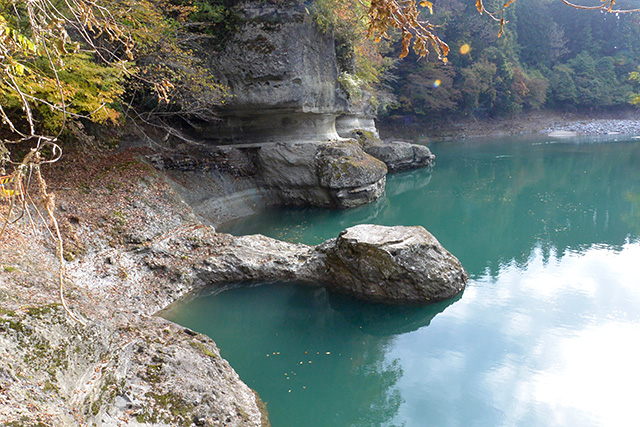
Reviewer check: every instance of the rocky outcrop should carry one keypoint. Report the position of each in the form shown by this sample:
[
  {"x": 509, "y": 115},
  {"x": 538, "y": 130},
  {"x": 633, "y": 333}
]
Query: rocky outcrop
[
  {"x": 395, "y": 265},
  {"x": 282, "y": 78},
  {"x": 332, "y": 174},
  {"x": 126, "y": 366},
  {"x": 142, "y": 371},
  {"x": 286, "y": 80},
  {"x": 392, "y": 265},
  {"x": 397, "y": 155},
  {"x": 133, "y": 248},
  {"x": 274, "y": 141},
  {"x": 400, "y": 155}
]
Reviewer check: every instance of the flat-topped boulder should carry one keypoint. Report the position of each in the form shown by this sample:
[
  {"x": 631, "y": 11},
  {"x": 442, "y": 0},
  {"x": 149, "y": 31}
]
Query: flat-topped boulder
[
  {"x": 396, "y": 155},
  {"x": 334, "y": 174},
  {"x": 392, "y": 265}
]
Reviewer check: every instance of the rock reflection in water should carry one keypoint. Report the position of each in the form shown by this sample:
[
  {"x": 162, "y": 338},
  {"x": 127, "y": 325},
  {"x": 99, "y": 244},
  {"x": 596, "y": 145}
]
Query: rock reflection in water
[{"x": 383, "y": 320}]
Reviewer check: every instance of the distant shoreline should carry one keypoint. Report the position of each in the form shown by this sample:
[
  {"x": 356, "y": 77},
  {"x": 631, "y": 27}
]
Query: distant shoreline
[{"x": 624, "y": 122}]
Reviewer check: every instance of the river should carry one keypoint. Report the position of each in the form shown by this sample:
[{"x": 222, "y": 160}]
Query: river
[{"x": 546, "y": 333}]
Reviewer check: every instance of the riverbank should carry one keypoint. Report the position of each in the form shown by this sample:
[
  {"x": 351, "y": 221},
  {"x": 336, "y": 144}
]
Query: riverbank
[
  {"x": 132, "y": 247},
  {"x": 625, "y": 121},
  {"x": 130, "y": 243}
]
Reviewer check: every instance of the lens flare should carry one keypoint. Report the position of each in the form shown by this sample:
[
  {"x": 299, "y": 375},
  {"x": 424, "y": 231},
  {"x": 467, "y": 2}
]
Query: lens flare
[
  {"x": 464, "y": 49},
  {"x": 437, "y": 83}
]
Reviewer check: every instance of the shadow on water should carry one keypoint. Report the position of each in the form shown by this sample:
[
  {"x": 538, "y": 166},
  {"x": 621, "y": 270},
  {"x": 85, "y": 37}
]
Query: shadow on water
[
  {"x": 298, "y": 345},
  {"x": 387, "y": 320}
]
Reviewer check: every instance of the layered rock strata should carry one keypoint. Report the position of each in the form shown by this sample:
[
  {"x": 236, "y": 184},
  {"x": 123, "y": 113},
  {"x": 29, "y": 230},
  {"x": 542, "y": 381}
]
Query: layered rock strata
[
  {"x": 282, "y": 78},
  {"x": 332, "y": 174}
]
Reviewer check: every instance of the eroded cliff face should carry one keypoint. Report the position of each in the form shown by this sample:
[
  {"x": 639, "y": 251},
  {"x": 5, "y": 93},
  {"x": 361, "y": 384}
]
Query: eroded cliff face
[
  {"x": 282, "y": 76},
  {"x": 288, "y": 132},
  {"x": 274, "y": 141},
  {"x": 128, "y": 243}
]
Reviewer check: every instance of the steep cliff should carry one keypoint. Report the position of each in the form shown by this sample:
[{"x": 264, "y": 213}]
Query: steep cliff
[
  {"x": 285, "y": 135},
  {"x": 282, "y": 76}
]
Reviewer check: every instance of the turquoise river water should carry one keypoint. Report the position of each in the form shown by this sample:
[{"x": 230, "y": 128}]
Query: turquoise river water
[{"x": 547, "y": 332}]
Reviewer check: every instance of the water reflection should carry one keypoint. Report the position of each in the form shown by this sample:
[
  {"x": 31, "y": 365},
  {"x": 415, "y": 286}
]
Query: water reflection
[
  {"x": 545, "y": 333},
  {"x": 489, "y": 202},
  {"x": 385, "y": 320},
  {"x": 550, "y": 343},
  {"x": 312, "y": 364}
]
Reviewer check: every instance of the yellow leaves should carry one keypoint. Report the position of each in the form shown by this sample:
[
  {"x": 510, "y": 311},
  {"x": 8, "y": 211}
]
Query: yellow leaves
[
  {"x": 13, "y": 41},
  {"x": 501, "y": 27},
  {"x": 17, "y": 68},
  {"x": 404, "y": 16},
  {"x": 428, "y": 5},
  {"x": 163, "y": 89},
  {"x": 509, "y": 3},
  {"x": 406, "y": 42},
  {"x": 479, "y": 6}
]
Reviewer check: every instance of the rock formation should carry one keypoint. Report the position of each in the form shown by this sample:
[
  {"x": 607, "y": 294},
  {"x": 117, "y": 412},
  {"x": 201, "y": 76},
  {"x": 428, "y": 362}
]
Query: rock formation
[
  {"x": 134, "y": 247},
  {"x": 274, "y": 141},
  {"x": 282, "y": 76},
  {"x": 392, "y": 265},
  {"x": 397, "y": 155},
  {"x": 327, "y": 174}
]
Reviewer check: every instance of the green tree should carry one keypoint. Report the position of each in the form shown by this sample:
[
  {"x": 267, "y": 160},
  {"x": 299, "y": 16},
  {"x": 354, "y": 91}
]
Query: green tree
[
  {"x": 635, "y": 77},
  {"x": 562, "y": 86},
  {"x": 478, "y": 87}
]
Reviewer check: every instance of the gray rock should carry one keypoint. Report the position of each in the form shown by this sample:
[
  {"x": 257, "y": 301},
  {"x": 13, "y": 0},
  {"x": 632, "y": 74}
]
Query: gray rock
[
  {"x": 326, "y": 174},
  {"x": 347, "y": 123},
  {"x": 145, "y": 371},
  {"x": 258, "y": 258},
  {"x": 346, "y": 165},
  {"x": 392, "y": 265},
  {"x": 397, "y": 155},
  {"x": 401, "y": 265},
  {"x": 282, "y": 78}
]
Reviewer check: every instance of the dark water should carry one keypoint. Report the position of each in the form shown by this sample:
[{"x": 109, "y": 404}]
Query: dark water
[{"x": 546, "y": 334}]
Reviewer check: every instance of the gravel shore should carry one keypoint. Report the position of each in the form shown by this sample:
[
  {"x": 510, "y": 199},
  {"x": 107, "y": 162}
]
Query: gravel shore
[
  {"x": 625, "y": 122},
  {"x": 598, "y": 127}
]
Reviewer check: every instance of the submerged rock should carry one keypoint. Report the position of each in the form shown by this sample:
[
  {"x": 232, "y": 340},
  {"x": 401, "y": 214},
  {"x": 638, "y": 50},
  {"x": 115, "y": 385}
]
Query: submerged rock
[{"x": 393, "y": 265}]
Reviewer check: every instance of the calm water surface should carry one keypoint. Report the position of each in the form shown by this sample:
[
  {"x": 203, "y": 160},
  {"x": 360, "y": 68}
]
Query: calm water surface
[{"x": 547, "y": 332}]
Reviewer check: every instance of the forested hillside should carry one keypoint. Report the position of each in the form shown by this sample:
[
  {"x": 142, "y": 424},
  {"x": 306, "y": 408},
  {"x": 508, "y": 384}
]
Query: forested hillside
[{"x": 549, "y": 56}]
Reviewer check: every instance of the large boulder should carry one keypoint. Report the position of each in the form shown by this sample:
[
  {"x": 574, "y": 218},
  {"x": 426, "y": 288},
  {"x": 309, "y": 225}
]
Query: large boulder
[
  {"x": 392, "y": 265},
  {"x": 326, "y": 174},
  {"x": 400, "y": 155},
  {"x": 397, "y": 155}
]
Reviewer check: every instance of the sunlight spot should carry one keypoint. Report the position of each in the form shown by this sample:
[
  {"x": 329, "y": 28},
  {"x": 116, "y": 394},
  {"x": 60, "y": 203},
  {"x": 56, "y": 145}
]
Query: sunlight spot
[
  {"x": 436, "y": 83},
  {"x": 464, "y": 49}
]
